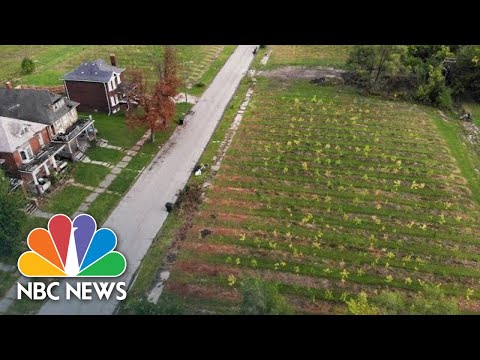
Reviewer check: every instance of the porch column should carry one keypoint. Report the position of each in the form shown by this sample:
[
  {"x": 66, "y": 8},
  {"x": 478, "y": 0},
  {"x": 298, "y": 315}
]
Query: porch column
[
  {"x": 70, "y": 150},
  {"x": 54, "y": 163},
  {"x": 76, "y": 141},
  {"x": 94, "y": 133},
  {"x": 35, "y": 181},
  {"x": 46, "y": 168}
]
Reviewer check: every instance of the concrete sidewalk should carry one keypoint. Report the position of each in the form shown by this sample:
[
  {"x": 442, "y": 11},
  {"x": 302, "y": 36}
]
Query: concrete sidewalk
[{"x": 141, "y": 213}]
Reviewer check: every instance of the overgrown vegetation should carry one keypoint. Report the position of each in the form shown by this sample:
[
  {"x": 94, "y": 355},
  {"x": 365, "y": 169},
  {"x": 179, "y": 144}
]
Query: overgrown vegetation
[
  {"x": 428, "y": 73},
  {"x": 262, "y": 298},
  {"x": 11, "y": 217}
]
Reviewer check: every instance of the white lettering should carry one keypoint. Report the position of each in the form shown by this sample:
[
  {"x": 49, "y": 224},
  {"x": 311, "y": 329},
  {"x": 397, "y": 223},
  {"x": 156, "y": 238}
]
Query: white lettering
[
  {"x": 86, "y": 290},
  {"x": 71, "y": 290},
  {"x": 120, "y": 289},
  {"x": 49, "y": 291},
  {"x": 39, "y": 291},
  {"x": 21, "y": 289},
  {"x": 103, "y": 289}
]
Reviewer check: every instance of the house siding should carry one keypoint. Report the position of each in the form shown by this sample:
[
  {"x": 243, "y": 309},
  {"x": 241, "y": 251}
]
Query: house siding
[
  {"x": 13, "y": 160},
  {"x": 91, "y": 96},
  {"x": 62, "y": 124}
]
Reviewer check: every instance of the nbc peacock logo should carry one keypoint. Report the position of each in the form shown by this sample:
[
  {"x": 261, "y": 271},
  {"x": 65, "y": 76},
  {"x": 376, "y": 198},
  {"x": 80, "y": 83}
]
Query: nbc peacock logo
[{"x": 72, "y": 249}]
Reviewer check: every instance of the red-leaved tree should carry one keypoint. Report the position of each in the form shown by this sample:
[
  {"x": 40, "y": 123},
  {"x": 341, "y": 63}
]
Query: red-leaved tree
[{"x": 157, "y": 107}]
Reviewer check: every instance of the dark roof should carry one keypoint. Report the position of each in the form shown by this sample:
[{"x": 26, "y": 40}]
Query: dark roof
[
  {"x": 93, "y": 71},
  {"x": 33, "y": 105}
]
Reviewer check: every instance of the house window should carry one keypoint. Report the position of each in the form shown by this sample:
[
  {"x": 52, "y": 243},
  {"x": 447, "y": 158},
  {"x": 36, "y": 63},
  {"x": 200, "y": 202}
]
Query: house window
[
  {"x": 109, "y": 86},
  {"x": 40, "y": 140},
  {"x": 26, "y": 154},
  {"x": 112, "y": 100},
  {"x": 116, "y": 99}
]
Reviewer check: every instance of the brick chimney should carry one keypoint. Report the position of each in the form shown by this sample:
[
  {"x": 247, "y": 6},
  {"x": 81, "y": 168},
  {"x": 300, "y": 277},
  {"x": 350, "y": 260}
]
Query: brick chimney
[
  {"x": 8, "y": 85},
  {"x": 113, "y": 59}
]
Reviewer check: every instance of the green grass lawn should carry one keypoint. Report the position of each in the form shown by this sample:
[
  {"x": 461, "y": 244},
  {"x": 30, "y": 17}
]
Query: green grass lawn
[
  {"x": 114, "y": 129},
  {"x": 90, "y": 174},
  {"x": 53, "y": 61},
  {"x": 307, "y": 55},
  {"x": 105, "y": 155},
  {"x": 7, "y": 279},
  {"x": 66, "y": 201},
  {"x": 123, "y": 181},
  {"x": 102, "y": 206}
]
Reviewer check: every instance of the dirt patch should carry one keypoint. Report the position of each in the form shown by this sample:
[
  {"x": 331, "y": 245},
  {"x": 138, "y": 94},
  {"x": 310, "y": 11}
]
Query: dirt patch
[
  {"x": 203, "y": 291},
  {"x": 316, "y": 74},
  {"x": 306, "y": 306}
]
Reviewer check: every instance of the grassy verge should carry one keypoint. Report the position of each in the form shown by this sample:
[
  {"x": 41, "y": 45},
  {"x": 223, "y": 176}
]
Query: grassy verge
[
  {"x": 7, "y": 279},
  {"x": 90, "y": 174},
  {"x": 66, "y": 201},
  {"x": 105, "y": 155},
  {"x": 467, "y": 159},
  {"x": 123, "y": 181},
  {"x": 114, "y": 129},
  {"x": 212, "y": 70},
  {"x": 102, "y": 206},
  {"x": 25, "y": 306}
]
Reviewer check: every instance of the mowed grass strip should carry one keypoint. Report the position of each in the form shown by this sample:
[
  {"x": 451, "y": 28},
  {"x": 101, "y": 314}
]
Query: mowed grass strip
[
  {"x": 90, "y": 174},
  {"x": 311, "y": 204},
  {"x": 66, "y": 201}
]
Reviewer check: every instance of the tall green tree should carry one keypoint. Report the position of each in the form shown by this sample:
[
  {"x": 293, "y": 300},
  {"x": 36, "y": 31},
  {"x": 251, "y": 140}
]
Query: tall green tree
[
  {"x": 467, "y": 71},
  {"x": 371, "y": 62},
  {"x": 12, "y": 217}
]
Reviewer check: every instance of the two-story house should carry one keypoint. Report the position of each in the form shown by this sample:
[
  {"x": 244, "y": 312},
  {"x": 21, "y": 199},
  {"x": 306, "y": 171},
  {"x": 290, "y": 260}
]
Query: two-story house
[
  {"x": 52, "y": 115},
  {"x": 56, "y": 111},
  {"x": 97, "y": 86},
  {"x": 27, "y": 153}
]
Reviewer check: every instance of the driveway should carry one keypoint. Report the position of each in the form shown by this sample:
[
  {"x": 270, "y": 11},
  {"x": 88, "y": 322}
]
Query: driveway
[{"x": 141, "y": 213}]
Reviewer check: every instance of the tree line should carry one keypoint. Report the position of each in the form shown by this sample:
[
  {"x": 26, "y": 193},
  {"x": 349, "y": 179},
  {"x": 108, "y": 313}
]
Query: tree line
[{"x": 434, "y": 74}]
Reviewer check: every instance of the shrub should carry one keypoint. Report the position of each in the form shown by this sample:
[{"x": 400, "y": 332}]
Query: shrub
[
  {"x": 262, "y": 298},
  {"x": 360, "y": 306},
  {"x": 199, "y": 84},
  {"x": 28, "y": 66},
  {"x": 434, "y": 302},
  {"x": 391, "y": 303},
  {"x": 431, "y": 301},
  {"x": 263, "y": 46}
]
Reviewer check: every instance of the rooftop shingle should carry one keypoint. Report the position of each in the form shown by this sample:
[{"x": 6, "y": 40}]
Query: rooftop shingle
[{"x": 93, "y": 71}]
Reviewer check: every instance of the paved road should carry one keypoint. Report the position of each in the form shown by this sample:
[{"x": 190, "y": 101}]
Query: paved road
[{"x": 141, "y": 213}]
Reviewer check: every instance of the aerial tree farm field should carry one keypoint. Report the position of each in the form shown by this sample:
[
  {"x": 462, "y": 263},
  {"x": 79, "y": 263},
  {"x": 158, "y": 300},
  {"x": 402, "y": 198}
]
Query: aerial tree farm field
[{"x": 330, "y": 194}]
